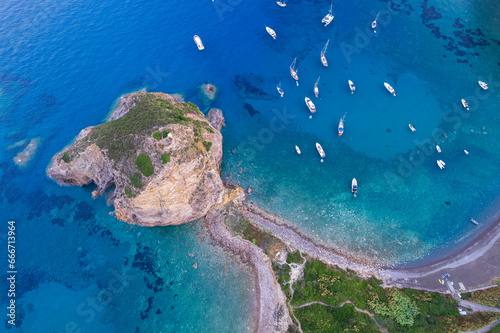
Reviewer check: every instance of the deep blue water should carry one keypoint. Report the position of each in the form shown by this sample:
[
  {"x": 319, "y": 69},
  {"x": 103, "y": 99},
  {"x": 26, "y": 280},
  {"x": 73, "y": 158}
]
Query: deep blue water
[{"x": 63, "y": 64}]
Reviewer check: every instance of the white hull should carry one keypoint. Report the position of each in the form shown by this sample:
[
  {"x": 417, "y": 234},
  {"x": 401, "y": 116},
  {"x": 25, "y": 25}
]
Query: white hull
[
  {"x": 271, "y": 32},
  {"x": 310, "y": 105},
  {"x": 281, "y": 4},
  {"x": 320, "y": 150},
  {"x": 441, "y": 164},
  {"x": 354, "y": 187},
  {"x": 340, "y": 129},
  {"x": 466, "y": 152},
  {"x": 389, "y": 88},
  {"x": 483, "y": 85},
  {"x": 465, "y": 104},
  {"x": 323, "y": 60},
  {"x": 327, "y": 19},
  {"x": 411, "y": 127},
  {"x": 297, "y": 149},
  {"x": 351, "y": 86},
  {"x": 438, "y": 149},
  {"x": 316, "y": 90},
  {"x": 198, "y": 42}
]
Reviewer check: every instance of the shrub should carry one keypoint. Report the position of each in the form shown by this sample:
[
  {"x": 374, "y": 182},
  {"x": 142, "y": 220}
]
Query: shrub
[
  {"x": 129, "y": 193},
  {"x": 165, "y": 133},
  {"x": 136, "y": 180},
  {"x": 207, "y": 145},
  {"x": 144, "y": 165},
  {"x": 157, "y": 135},
  {"x": 165, "y": 158},
  {"x": 65, "y": 157}
]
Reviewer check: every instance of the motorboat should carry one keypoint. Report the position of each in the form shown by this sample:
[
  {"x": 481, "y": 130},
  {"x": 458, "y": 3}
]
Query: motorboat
[
  {"x": 329, "y": 17},
  {"x": 310, "y": 105},
  {"x": 438, "y": 149},
  {"x": 465, "y": 104},
  {"x": 198, "y": 42},
  {"x": 323, "y": 54},
  {"x": 271, "y": 32},
  {"x": 374, "y": 23},
  {"x": 351, "y": 86},
  {"x": 389, "y": 88},
  {"x": 483, "y": 85},
  {"x": 278, "y": 87},
  {"x": 316, "y": 89},
  {"x": 341, "y": 127},
  {"x": 412, "y": 127},
  {"x": 354, "y": 187},
  {"x": 294, "y": 69},
  {"x": 473, "y": 221},
  {"x": 441, "y": 164},
  {"x": 320, "y": 150},
  {"x": 281, "y": 3},
  {"x": 297, "y": 149},
  {"x": 466, "y": 152}
]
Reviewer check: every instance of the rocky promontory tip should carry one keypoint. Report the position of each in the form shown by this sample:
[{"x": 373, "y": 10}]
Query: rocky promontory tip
[{"x": 162, "y": 155}]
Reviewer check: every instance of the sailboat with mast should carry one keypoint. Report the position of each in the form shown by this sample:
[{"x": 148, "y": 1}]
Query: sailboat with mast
[
  {"x": 329, "y": 17},
  {"x": 323, "y": 52},
  {"x": 293, "y": 70},
  {"x": 374, "y": 23},
  {"x": 316, "y": 89}
]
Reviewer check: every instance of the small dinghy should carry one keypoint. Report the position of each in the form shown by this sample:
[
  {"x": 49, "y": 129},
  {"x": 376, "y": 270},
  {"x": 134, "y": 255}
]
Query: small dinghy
[
  {"x": 281, "y": 3},
  {"x": 438, "y": 149},
  {"x": 294, "y": 69},
  {"x": 351, "y": 86},
  {"x": 354, "y": 187},
  {"x": 310, "y": 105},
  {"x": 271, "y": 32},
  {"x": 466, "y": 152},
  {"x": 389, "y": 88},
  {"x": 465, "y": 104},
  {"x": 297, "y": 149},
  {"x": 412, "y": 127},
  {"x": 441, "y": 164},
  {"x": 323, "y": 54},
  {"x": 278, "y": 87},
  {"x": 483, "y": 85},
  {"x": 198, "y": 42},
  {"x": 329, "y": 17},
  {"x": 320, "y": 150},
  {"x": 341, "y": 127},
  {"x": 473, "y": 221},
  {"x": 374, "y": 23},
  {"x": 316, "y": 89}
]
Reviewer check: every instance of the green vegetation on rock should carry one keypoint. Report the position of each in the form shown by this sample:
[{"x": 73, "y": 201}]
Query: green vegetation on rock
[
  {"x": 488, "y": 297},
  {"x": 165, "y": 158},
  {"x": 157, "y": 135},
  {"x": 129, "y": 193},
  {"x": 207, "y": 145},
  {"x": 65, "y": 157},
  {"x": 136, "y": 180},
  {"x": 165, "y": 133},
  {"x": 143, "y": 163}
]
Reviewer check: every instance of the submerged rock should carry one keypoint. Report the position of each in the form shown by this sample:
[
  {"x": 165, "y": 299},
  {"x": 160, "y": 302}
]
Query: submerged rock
[
  {"x": 27, "y": 154},
  {"x": 163, "y": 156},
  {"x": 208, "y": 93}
]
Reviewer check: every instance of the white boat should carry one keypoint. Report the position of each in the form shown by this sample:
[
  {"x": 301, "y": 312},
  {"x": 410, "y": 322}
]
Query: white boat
[
  {"x": 465, "y": 104},
  {"x": 412, "y": 127},
  {"x": 271, "y": 32},
  {"x": 483, "y": 85},
  {"x": 341, "y": 127},
  {"x": 320, "y": 150},
  {"x": 294, "y": 70},
  {"x": 297, "y": 149},
  {"x": 280, "y": 90},
  {"x": 388, "y": 87},
  {"x": 354, "y": 187},
  {"x": 329, "y": 17},
  {"x": 466, "y": 152},
  {"x": 351, "y": 86},
  {"x": 323, "y": 54},
  {"x": 310, "y": 105},
  {"x": 316, "y": 89},
  {"x": 198, "y": 42},
  {"x": 473, "y": 221},
  {"x": 281, "y": 3},
  {"x": 438, "y": 149},
  {"x": 441, "y": 164},
  {"x": 374, "y": 23}
]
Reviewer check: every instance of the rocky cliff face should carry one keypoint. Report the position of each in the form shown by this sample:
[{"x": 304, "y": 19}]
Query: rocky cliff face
[{"x": 162, "y": 155}]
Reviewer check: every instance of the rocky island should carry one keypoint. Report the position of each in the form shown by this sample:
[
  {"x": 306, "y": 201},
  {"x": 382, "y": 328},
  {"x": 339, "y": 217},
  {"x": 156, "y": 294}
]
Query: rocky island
[{"x": 162, "y": 155}]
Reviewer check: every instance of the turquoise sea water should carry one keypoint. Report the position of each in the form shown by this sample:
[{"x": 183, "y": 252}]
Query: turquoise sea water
[{"x": 63, "y": 64}]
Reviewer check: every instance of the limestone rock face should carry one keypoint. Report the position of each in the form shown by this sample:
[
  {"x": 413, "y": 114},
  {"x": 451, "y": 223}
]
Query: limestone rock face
[
  {"x": 184, "y": 150},
  {"x": 215, "y": 118}
]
